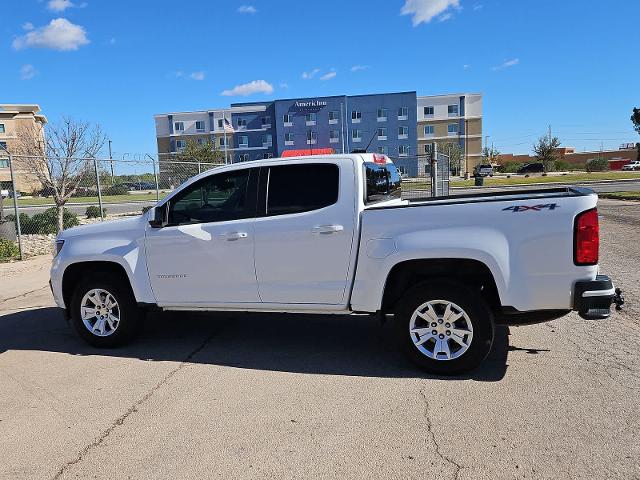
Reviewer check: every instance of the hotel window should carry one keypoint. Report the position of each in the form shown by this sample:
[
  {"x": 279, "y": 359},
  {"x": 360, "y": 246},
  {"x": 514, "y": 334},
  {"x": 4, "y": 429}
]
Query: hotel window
[
  {"x": 180, "y": 144},
  {"x": 403, "y": 150},
  {"x": 452, "y": 128},
  {"x": 427, "y": 148},
  {"x": 4, "y": 163},
  {"x": 452, "y": 110},
  {"x": 356, "y": 135},
  {"x": 220, "y": 124},
  {"x": 243, "y": 157},
  {"x": 200, "y": 125},
  {"x": 356, "y": 116},
  {"x": 221, "y": 141},
  {"x": 428, "y": 130},
  {"x": 267, "y": 140},
  {"x": 333, "y": 116},
  {"x": 287, "y": 118},
  {"x": 178, "y": 126},
  {"x": 288, "y": 139},
  {"x": 382, "y": 133},
  {"x": 242, "y": 123},
  {"x": 1, "y": 127},
  {"x": 312, "y": 138},
  {"x": 311, "y": 118},
  {"x": 383, "y": 150},
  {"x": 334, "y": 136},
  {"x": 403, "y": 132},
  {"x": 403, "y": 113},
  {"x": 3, "y": 146},
  {"x": 382, "y": 114},
  {"x": 266, "y": 122},
  {"x": 243, "y": 141},
  {"x": 428, "y": 112}
]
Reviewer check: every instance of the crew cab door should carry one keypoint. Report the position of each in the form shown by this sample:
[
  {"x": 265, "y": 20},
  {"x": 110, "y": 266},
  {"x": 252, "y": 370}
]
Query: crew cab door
[
  {"x": 304, "y": 232},
  {"x": 204, "y": 256}
]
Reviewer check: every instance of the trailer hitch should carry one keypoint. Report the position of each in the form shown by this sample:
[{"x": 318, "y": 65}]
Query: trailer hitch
[{"x": 618, "y": 299}]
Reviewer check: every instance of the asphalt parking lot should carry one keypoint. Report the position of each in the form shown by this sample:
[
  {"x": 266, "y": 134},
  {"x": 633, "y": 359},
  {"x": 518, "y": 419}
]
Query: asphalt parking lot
[{"x": 268, "y": 396}]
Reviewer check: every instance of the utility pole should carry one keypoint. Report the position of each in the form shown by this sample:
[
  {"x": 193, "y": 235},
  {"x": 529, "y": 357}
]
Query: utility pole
[{"x": 111, "y": 159}]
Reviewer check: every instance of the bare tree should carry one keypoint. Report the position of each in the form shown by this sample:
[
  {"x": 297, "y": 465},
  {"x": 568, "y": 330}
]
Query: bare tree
[{"x": 60, "y": 158}]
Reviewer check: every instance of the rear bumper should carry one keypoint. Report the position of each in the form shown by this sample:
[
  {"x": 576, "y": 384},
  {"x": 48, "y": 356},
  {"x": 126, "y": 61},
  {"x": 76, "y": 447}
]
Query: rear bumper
[{"x": 592, "y": 299}]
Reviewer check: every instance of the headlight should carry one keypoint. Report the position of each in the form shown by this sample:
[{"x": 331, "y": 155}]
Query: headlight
[{"x": 58, "y": 247}]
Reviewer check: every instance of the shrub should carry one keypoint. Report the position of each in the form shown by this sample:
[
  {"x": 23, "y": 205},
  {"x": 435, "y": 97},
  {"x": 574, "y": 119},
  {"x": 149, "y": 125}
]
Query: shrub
[
  {"x": 597, "y": 165},
  {"x": 562, "y": 166},
  {"x": 93, "y": 211},
  {"x": 511, "y": 167},
  {"x": 118, "y": 189},
  {"x": 45, "y": 222},
  {"x": 8, "y": 249}
]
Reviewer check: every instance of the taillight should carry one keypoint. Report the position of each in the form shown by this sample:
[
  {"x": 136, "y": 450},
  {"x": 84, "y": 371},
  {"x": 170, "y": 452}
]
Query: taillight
[
  {"x": 586, "y": 238},
  {"x": 381, "y": 159}
]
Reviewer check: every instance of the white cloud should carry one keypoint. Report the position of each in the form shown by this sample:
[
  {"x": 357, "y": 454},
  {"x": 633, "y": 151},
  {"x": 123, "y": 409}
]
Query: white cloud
[
  {"x": 27, "y": 72},
  {"x": 310, "y": 75},
  {"x": 284, "y": 85},
  {"x": 247, "y": 9},
  {"x": 197, "y": 76},
  {"x": 256, "y": 86},
  {"x": 357, "y": 68},
  {"x": 59, "y": 34},
  {"x": 478, "y": 7},
  {"x": 59, "y": 5},
  {"x": 507, "y": 64},
  {"x": 445, "y": 17},
  {"x": 328, "y": 76},
  {"x": 27, "y": 26},
  {"x": 424, "y": 11}
]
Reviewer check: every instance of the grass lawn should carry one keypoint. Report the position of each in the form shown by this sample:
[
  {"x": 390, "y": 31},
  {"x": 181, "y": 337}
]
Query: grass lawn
[
  {"x": 568, "y": 178},
  {"x": 621, "y": 195},
  {"x": 131, "y": 197}
]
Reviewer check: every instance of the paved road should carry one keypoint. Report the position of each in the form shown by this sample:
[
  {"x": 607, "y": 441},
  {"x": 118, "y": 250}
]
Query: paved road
[{"x": 308, "y": 397}]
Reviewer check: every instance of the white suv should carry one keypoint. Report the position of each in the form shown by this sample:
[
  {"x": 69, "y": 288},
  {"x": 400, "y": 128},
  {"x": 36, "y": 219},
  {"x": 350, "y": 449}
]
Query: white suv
[{"x": 632, "y": 166}]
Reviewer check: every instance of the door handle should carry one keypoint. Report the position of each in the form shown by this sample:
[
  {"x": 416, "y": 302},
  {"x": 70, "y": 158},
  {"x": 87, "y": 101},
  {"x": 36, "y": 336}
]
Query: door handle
[
  {"x": 234, "y": 235},
  {"x": 327, "y": 229}
]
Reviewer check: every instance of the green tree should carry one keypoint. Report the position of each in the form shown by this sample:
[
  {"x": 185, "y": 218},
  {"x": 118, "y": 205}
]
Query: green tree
[
  {"x": 176, "y": 168},
  {"x": 635, "y": 119},
  {"x": 490, "y": 155},
  {"x": 546, "y": 151}
]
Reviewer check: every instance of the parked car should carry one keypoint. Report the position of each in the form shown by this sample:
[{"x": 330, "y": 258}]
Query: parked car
[
  {"x": 536, "y": 167},
  {"x": 632, "y": 166},
  {"x": 483, "y": 171},
  {"x": 332, "y": 235}
]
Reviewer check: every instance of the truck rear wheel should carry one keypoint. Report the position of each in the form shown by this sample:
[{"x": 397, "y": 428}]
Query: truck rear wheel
[
  {"x": 445, "y": 328},
  {"x": 104, "y": 312}
]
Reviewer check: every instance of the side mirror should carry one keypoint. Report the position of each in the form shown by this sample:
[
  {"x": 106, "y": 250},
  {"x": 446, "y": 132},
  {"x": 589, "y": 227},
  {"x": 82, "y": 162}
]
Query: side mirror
[{"x": 158, "y": 216}]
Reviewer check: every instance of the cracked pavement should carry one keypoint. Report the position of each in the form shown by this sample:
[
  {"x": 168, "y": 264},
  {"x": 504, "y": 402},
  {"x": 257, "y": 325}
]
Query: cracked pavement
[{"x": 275, "y": 396}]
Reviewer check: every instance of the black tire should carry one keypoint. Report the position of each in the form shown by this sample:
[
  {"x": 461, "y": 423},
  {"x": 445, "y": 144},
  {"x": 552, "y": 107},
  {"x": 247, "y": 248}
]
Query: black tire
[
  {"x": 130, "y": 314},
  {"x": 476, "y": 309}
]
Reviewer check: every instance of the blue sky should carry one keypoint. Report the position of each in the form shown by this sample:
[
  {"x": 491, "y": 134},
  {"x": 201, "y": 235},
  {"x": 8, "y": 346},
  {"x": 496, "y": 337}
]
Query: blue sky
[{"x": 573, "y": 64}]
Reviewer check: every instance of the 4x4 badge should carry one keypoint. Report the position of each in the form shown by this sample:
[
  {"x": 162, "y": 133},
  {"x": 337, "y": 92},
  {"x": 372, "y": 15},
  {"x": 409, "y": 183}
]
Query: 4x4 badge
[{"x": 535, "y": 208}]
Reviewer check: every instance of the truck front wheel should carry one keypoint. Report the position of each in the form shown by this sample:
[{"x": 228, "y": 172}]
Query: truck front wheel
[
  {"x": 103, "y": 311},
  {"x": 445, "y": 328}
]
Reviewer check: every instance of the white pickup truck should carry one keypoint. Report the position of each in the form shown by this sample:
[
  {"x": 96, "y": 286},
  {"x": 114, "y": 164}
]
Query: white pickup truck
[{"x": 332, "y": 235}]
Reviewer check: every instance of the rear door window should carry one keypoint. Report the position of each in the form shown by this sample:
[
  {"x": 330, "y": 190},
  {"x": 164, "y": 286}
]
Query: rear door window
[
  {"x": 383, "y": 182},
  {"x": 301, "y": 188}
]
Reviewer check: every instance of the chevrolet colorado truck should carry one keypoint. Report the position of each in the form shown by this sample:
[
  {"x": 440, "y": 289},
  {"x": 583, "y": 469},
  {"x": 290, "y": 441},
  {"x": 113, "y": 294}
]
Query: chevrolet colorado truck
[{"x": 332, "y": 235}]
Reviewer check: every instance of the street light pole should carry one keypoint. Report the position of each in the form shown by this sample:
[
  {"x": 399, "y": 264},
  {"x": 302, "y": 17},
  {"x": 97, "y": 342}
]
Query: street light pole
[{"x": 111, "y": 159}]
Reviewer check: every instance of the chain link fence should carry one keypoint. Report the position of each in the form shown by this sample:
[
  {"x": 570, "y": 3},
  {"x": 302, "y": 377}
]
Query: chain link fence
[{"x": 43, "y": 195}]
